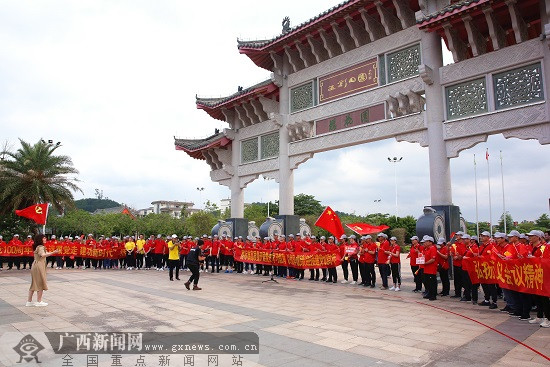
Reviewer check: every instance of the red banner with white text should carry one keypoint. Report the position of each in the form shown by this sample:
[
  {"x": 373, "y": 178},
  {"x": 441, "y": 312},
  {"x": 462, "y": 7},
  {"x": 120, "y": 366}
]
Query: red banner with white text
[
  {"x": 527, "y": 275},
  {"x": 297, "y": 260},
  {"x": 65, "y": 249}
]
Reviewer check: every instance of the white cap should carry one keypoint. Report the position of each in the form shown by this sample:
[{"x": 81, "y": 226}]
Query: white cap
[
  {"x": 474, "y": 238},
  {"x": 485, "y": 233},
  {"x": 466, "y": 236},
  {"x": 536, "y": 232},
  {"x": 29, "y": 236},
  {"x": 499, "y": 235},
  {"x": 440, "y": 241},
  {"x": 414, "y": 238},
  {"x": 352, "y": 236},
  {"x": 291, "y": 236},
  {"x": 382, "y": 235},
  {"x": 174, "y": 236},
  {"x": 427, "y": 238},
  {"x": 16, "y": 235},
  {"x": 53, "y": 235},
  {"x": 204, "y": 236},
  {"x": 368, "y": 236},
  {"x": 323, "y": 238},
  {"x": 90, "y": 235},
  {"x": 514, "y": 233},
  {"x": 159, "y": 235},
  {"x": 313, "y": 237},
  {"x": 343, "y": 237}
]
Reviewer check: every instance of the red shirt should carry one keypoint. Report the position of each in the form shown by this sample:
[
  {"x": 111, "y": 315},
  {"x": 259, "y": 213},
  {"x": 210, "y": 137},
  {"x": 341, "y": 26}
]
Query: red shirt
[
  {"x": 382, "y": 256},
  {"x": 509, "y": 251},
  {"x": 149, "y": 245},
  {"x": 282, "y": 246},
  {"x": 216, "y": 248},
  {"x": 160, "y": 246},
  {"x": 441, "y": 261},
  {"x": 485, "y": 250},
  {"x": 414, "y": 252},
  {"x": 472, "y": 251},
  {"x": 396, "y": 249},
  {"x": 458, "y": 249},
  {"x": 524, "y": 249},
  {"x": 430, "y": 253}
]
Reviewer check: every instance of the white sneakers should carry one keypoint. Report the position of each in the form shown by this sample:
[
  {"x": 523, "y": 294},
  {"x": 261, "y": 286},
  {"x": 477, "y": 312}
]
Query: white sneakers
[
  {"x": 344, "y": 281},
  {"x": 354, "y": 282},
  {"x": 536, "y": 320},
  {"x": 397, "y": 289},
  {"x": 545, "y": 323},
  {"x": 392, "y": 288},
  {"x": 36, "y": 304}
]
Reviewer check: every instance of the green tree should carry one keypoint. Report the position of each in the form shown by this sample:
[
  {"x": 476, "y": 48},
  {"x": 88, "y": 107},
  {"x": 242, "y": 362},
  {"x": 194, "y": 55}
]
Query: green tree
[
  {"x": 509, "y": 222},
  {"x": 35, "y": 174},
  {"x": 543, "y": 222},
  {"x": 200, "y": 223},
  {"x": 307, "y": 204},
  {"x": 212, "y": 208},
  {"x": 256, "y": 212}
]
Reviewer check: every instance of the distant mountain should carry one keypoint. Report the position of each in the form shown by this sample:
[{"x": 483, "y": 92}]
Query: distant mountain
[{"x": 91, "y": 205}]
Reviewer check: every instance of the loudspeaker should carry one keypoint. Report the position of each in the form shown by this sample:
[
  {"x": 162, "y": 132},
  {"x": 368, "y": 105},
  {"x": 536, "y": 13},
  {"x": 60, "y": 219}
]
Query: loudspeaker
[
  {"x": 240, "y": 227},
  {"x": 291, "y": 224}
]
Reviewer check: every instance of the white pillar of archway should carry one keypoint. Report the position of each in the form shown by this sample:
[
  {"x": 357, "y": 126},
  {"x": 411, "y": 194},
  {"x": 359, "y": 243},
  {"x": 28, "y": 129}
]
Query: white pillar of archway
[
  {"x": 286, "y": 175},
  {"x": 237, "y": 193},
  {"x": 440, "y": 169}
]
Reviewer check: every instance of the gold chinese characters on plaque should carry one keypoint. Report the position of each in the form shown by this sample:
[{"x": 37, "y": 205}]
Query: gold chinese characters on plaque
[{"x": 349, "y": 81}]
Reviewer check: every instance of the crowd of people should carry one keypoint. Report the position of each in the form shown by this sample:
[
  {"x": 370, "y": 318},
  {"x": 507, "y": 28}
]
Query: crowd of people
[{"x": 428, "y": 259}]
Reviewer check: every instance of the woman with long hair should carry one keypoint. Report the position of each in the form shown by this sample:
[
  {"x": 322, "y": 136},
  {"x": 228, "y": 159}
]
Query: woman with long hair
[{"x": 38, "y": 271}]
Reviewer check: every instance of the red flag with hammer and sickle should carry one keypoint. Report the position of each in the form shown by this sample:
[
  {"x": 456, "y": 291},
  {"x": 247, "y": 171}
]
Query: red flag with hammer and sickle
[{"x": 37, "y": 212}]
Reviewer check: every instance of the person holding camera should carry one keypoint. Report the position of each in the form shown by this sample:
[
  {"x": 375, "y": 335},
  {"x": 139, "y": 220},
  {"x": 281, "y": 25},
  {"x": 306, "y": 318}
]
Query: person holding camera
[
  {"x": 174, "y": 257},
  {"x": 194, "y": 257}
]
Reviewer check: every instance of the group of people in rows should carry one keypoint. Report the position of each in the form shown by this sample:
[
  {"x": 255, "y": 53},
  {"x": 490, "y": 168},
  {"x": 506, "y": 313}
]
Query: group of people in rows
[{"x": 429, "y": 258}]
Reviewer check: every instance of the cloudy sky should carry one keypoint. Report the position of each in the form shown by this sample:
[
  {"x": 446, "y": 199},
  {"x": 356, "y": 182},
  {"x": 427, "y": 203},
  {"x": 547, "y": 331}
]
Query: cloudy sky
[{"x": 114, "y": 81}]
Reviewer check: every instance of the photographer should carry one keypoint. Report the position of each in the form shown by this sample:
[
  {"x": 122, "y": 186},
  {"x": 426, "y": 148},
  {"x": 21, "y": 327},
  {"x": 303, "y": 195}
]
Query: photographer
[{"x": 193, "y": 258}]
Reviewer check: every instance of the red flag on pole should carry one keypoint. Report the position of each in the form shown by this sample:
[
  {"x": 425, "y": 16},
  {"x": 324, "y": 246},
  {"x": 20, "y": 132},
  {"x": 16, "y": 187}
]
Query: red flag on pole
[
  {"x": 329, "y": 221},
  {"x": 128, "y": 213},
  {"x": 37, "y": 213},
  {"x": 365, "y": 228}
]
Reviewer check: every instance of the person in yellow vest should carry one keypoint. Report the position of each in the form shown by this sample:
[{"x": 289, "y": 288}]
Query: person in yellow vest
[
  {"x": 174, "y": 257},
  {"x": 140, "y": 252},
  {"x": 130, "y": 246}
]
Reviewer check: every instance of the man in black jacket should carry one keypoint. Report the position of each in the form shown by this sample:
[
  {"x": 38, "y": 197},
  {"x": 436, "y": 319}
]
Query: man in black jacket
[{"x": 193, "y": 259}]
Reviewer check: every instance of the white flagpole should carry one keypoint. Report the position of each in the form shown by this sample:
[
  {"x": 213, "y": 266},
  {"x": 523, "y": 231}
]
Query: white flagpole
[
  {"x": 503, "y": 201},
  {"x": 477, "y": 213},
  {"x": 44, "y": 225},
  {"x": 489, "y": 182}
]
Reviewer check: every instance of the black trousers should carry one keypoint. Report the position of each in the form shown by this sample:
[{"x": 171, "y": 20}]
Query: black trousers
[
  {"x": 457, "y": 280},
  {"x": 371, "y": 274},
  {"x": 489, "y": 292},
  {"x": 445, "y": 283},
  {"x": 194, "y": 278},
  {"x": 149, "y": 260},
  {"x": 345, "y": 269},
  {"x": 174, "y": 264},
  {"x": 467, "y": 285},
  {"x": 158, "y": 260},
  {"x": 543, "y": 306},
  {"x": 332, "y": 275},
  {"x": 363, "y": 273},
  {"x": 139, "y": 261},
  {"x": 430, "y": 280},
  {"x": 354, "y": 264},
  {"x": 129, "y": 261},
  {"x": 384, "y": 270},
  {"x": 396, "y": 273},
  {"x": 417, "y": 274}
]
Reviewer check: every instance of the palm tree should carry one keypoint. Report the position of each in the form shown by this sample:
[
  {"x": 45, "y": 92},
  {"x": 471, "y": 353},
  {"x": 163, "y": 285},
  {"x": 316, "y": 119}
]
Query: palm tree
[{"x": 33, "y": 174}]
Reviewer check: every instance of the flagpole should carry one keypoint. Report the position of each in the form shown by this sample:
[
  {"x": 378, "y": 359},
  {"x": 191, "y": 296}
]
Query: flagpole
[
  {"x": 503, "y": 201},
  {"x": 475, "y": 182},
  {"x": 489, "y": 183},
  {"x": 44, "y": 225}
]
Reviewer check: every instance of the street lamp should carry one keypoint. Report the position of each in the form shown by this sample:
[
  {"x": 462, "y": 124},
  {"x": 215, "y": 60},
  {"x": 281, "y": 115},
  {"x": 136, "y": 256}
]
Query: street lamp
[
  {"x": 200, "y": 190},
  {"x": 395, "y": 160}
]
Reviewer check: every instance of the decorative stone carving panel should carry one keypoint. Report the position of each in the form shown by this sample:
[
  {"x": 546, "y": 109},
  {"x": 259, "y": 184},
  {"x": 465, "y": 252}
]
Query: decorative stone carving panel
[
  {"x": 257, "y": 129},
  {"x": 403, "y": 63},
  {"x": 365, "y": 52},
  {"x": 420, "y": 137},
  {"x": 358, "y": 101},
  {"x": 518, "y": 86},
  {"x": 296, "y": 160},
  {"x": 259, "y": 167},
  {"x": 301, "y": 97},
  {"x": 493, "y": 123},
  {"x": 219, "y": 175},
  {"x": 249, "y": 150},
  {"x": 496, "y": 60},
  {"x": 539, "y": 132},
  {"x": 454, "y": 147},
  {"x": 270, "y": 145},
  {"x": 362, "y": 134},
  {"x": 466, "y": 99},
  {"x": 244, "y": 181}
]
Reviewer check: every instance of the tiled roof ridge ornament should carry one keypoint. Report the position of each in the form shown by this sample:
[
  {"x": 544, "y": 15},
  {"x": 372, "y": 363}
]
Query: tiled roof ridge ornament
[{"x": 286, "y": 25}]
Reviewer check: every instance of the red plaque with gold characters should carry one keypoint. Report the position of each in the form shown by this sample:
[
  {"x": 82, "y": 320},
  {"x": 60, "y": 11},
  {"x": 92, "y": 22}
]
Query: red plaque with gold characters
[
  {"x": 349, "y": 81},
  {"x": 351, "y": 119}
]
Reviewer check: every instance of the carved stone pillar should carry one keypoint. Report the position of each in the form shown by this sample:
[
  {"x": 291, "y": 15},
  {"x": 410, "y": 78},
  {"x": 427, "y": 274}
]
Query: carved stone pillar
[
  {"x": 286, "y": 175},
  {"x": 440, "y": 171},
  {"x": 237, "y": 193}
]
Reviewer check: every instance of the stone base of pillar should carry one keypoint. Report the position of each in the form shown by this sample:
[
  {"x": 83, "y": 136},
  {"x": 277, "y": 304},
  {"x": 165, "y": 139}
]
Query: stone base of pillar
[
  {"x": 291, "y": 224},
  {"x": 240, "y": 227},
  {"x": 438, "y": 221}
]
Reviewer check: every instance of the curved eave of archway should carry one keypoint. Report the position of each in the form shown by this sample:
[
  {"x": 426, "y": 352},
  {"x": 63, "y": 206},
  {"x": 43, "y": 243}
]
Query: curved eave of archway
[{"x": 194, "y": 148}]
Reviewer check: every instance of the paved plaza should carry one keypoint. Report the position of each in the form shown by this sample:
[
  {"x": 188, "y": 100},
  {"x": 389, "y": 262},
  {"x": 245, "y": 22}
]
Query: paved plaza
[{"x": 299, "y": 323}]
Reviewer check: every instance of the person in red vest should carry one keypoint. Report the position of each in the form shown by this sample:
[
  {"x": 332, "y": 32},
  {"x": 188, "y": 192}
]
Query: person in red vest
[
  {"x": 352, "y": 251},
  {"x": 281, "y": 248},
  {"x": 395, "y": 264},
  {"x": 540, "y": 249},
  {"x": 313, "y": 248},
  {"x": 14, "y": 260},
  {"x": 3, "y": 245},
  {"x": 443, "y": 266},
  {"x": 456, "y": 250},
  {"x": 370, "y": 260},
  {"x": 321, "y": 248},
  {"x": 383, "y": 259},
  {"x": 332, "y": 273},
  {"x": 228, "y": 254},
  {"x": 291, "y": 249},
  {"x": 414, "y": 253},
  {"x": 148, "y": 249},
  {"x": 489, "y": 290},
  {"x": 471, "y": 250},
  {"x": 27, "y": 259},
  {"x": 238, "y": 244},
  {"x": 430, "y": 267},
  {"x": 160, "y": 249},
  {"x": 90, "y": 244},
  {"x": 216, "y": 250}
]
